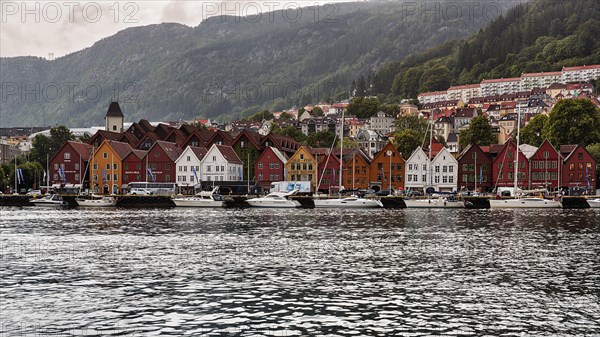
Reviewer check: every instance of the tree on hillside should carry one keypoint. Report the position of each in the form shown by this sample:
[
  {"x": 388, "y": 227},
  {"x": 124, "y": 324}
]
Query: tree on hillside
[
  {"x": 42, "y": 146},
  {"x": 321, "y": 139},
  {"x": 532, "y": 133},
  {"x": 479, "y": 132},
  {"x": 406, "y": 141},
  {"x": 411, "y": 122},
  {"x": 348, "y": 144},
  {"x": 573, "y": 122},
  {"x": 261, "y": 115},
  {"x": 285, "y": 116},
  {"x": 289, "y": 131},
  {"x": 318, "y": 112},
  {"x": 363, "y": 107},
  {"x": 594, "y": 150}
]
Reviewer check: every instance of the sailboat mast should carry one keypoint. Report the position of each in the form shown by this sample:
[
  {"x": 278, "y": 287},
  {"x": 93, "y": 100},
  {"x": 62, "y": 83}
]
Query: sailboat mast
[
  {"x": 516, "y": 177},
  {"x": 341, "y": 152},
  {"x": 353, "y": 170},
  {"x": 429, "y": 169}
]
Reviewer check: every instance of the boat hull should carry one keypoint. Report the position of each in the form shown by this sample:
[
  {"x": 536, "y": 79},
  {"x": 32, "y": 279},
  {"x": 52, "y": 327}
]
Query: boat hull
[
  {"x": 257, "y": 202},
  {"x": 96, "y": 203},
  {"x": 594, "y": 203},
  {"x": 344, "y": 203},
  {"x": 525, "y": 203},
  {"x": 194, "y": 202},
  {"x": 433, "y": 203}
]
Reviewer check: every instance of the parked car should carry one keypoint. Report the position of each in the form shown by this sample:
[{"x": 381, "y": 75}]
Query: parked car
[
  {"x": 414, "y": 193},
  {"x": 140, "y": 191}
]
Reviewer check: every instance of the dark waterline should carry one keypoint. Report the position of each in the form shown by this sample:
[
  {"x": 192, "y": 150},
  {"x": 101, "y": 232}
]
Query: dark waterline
[{"x": 256, "y": 272}]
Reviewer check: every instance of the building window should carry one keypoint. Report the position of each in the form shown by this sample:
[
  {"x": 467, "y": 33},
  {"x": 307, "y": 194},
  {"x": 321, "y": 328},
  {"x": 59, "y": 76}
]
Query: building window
[
  {"x": 188, "y": 158},
  {"x": 260, "y": 166},
  {"x": 167, "y": 166},
  {"x": 56, "y": 166},
  {"x": 115, "y": 166},
  {"x": 115, "y": 177},
  {"x": 153, "y": 165},
  {"x": 104, "y": 155},
  {"x": 95, "y": 166},
  {"x": 167, "y": 177},
  {"x": 67, "y": 155},
  {"x": 107, "y": 166}
]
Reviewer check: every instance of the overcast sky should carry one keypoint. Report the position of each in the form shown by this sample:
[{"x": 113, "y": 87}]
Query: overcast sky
[{"x": 38, "y": 28}]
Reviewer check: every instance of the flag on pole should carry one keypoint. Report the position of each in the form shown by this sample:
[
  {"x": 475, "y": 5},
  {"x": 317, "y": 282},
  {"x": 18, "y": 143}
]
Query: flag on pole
[
  {"x": 151, "y": 174},
  {"x": 18, "y": 176},
  {"x": 195, "y": 175},
  {"x": 21, "y": 174},
  {"x": 44, "y": 176},
  {"x": 480, "y": 174},
  {"x": 587, "y": 177}
]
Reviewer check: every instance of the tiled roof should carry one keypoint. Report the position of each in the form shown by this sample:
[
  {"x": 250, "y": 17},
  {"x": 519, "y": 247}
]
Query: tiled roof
[
  {"x": 84, "y": 150},
  {"x": 120, "y": 148},
  {"x": 229, "y": 154},
  {"x": 170, "y": 149},
  {"x": 584, "y": 67},
  {"x": 498, "y": 80},
  {"x": 200, "y": 152}
]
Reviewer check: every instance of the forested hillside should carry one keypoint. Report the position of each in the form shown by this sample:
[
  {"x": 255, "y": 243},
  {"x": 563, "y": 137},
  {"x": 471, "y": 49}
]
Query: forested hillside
[
  {"x": 544, "y": 35},
  {"x": 225, "y": 67}
]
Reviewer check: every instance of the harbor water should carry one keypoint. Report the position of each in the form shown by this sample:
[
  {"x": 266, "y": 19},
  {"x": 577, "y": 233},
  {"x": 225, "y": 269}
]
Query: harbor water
[{"x": 299, "y": 272}]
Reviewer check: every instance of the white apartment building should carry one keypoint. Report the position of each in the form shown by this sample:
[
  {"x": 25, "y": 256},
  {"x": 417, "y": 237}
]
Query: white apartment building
[
  {"x": 432, "y": 97},
  {"x": 499, "y": 86},
  {"x": 581, "y": 73},
  {"x": 464, "y": 92},
  {"x": 539, "y": 80}
]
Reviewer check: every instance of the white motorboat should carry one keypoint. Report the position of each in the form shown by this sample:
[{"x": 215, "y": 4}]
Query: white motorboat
[
  {"x": 594, "y": 203},
  {"x": 97, "y": 201},
  {"x": 440, "y": 202},
  {"x": 51, "y": 200},
  {"x": 527, "y": 202},
  {"x": 275, "y": 200},
  {"x": 347, "y": 202},
  {"x": 202, "y": 199}
]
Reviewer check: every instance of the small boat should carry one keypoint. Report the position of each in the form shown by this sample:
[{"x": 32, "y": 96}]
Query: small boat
[
  {"x": 275, "y": 200},
  {"x": 594, "y": 203},
  {"x": 347, "y": 202},
  {"x": 51, "y": 200},
  {"x": 440, "y": 202},
  {"x": 528, "y": 202},
  {"x": 202, "y": 199},
  {"x": 97, "y": 201}
]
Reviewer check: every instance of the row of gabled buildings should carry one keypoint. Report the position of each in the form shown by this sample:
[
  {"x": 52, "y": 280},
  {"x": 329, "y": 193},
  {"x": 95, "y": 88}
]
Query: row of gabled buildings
[
  {"x": 188, "y": 155},
  {"x": 114, "y": 164}
]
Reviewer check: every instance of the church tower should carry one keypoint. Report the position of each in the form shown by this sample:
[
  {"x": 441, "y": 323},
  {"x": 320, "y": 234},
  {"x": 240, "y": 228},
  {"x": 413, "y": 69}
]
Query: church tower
[{"x": 114, "y": 118}]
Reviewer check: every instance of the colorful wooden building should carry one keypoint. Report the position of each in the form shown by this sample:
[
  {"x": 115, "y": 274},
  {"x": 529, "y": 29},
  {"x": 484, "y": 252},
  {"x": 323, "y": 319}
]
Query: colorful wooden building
[
  {"x": 387, "y": 169},
  {"x": 270, "y": 167},
  {"x": 302, "y": 166}
]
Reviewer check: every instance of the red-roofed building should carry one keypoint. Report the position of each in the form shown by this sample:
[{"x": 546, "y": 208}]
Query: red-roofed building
[
  {"x": 475, "y": 169},
  {"x": 579, "y": 168},
  {"x": 504, "y": 169},
  {"x": 160, "y": 160},
  {"x": 134, "y": 167},
  {"x": 68, "y": 165},
  {"x": 545, "y": 167},
  {"x": 270, "y": 167}
]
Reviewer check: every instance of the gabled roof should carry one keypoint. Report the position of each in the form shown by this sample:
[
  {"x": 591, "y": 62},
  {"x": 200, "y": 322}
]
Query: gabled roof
[
  {"x": 306, "y": 150},
  {"x": 120, "y": 148},
  {"x": 227, "y": 139},
  {"x": 114, "y": 110},
  {"x": 200, "y": 152},
  {"x": 441, "y": 152},
  {"x": 465, "y": 112},
  {"x": 417, "y": 151},
  {"x": 138, "y": 153},
  {"x": 83, "y": 150},
  {"x": 282, "y": 156},
  {"x": 187, "y": 129},
  {"x": 528, "y": 150},
  {"x": 360, "y": 152},
  {"x": 229, "y": 154},
  {"x": 253, "y": 137},
  {"x": 171, "y": 149},
  {"x": 105, "y": 135},
  {"x": 128, "y": 137}
]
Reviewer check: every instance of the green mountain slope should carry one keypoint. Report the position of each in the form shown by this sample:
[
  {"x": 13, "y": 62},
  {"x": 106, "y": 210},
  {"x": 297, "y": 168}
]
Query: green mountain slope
[
  {"x": 225, "y": 67},
  {"x": 544, "y": 35}
]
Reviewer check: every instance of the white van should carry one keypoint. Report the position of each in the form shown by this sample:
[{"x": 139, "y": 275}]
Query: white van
[{"x": 139, "y": 191}]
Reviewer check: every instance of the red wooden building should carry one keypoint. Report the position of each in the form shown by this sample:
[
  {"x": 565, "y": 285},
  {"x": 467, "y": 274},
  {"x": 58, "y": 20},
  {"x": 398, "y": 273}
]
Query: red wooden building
[
  {"x": 544, "y": 167},
  {"x": 160, "y": 160},
  {"x": 475, "y": 169},
  {"x": 504, "y": 169},
  {"x": 68, "y": 165},
  {"x": 134, "y": 167},
  {"x": 579, "y": 168},
  {"x": 270, "y": 167}
]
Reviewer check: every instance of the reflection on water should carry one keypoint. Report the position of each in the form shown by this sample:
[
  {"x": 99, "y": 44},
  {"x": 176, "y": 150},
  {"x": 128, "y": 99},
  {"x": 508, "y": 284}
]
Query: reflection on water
[{"x": 254, "y": 272}]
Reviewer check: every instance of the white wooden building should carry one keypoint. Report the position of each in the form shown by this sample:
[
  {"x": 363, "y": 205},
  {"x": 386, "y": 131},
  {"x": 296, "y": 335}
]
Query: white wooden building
[
  {"x": 221, "y": 163},
  {"x": 188, "y": 167}
]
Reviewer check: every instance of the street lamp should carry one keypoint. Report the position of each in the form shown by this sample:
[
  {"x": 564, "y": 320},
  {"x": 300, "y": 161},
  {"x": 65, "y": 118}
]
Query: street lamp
[{"x": 389, "y": 153}]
